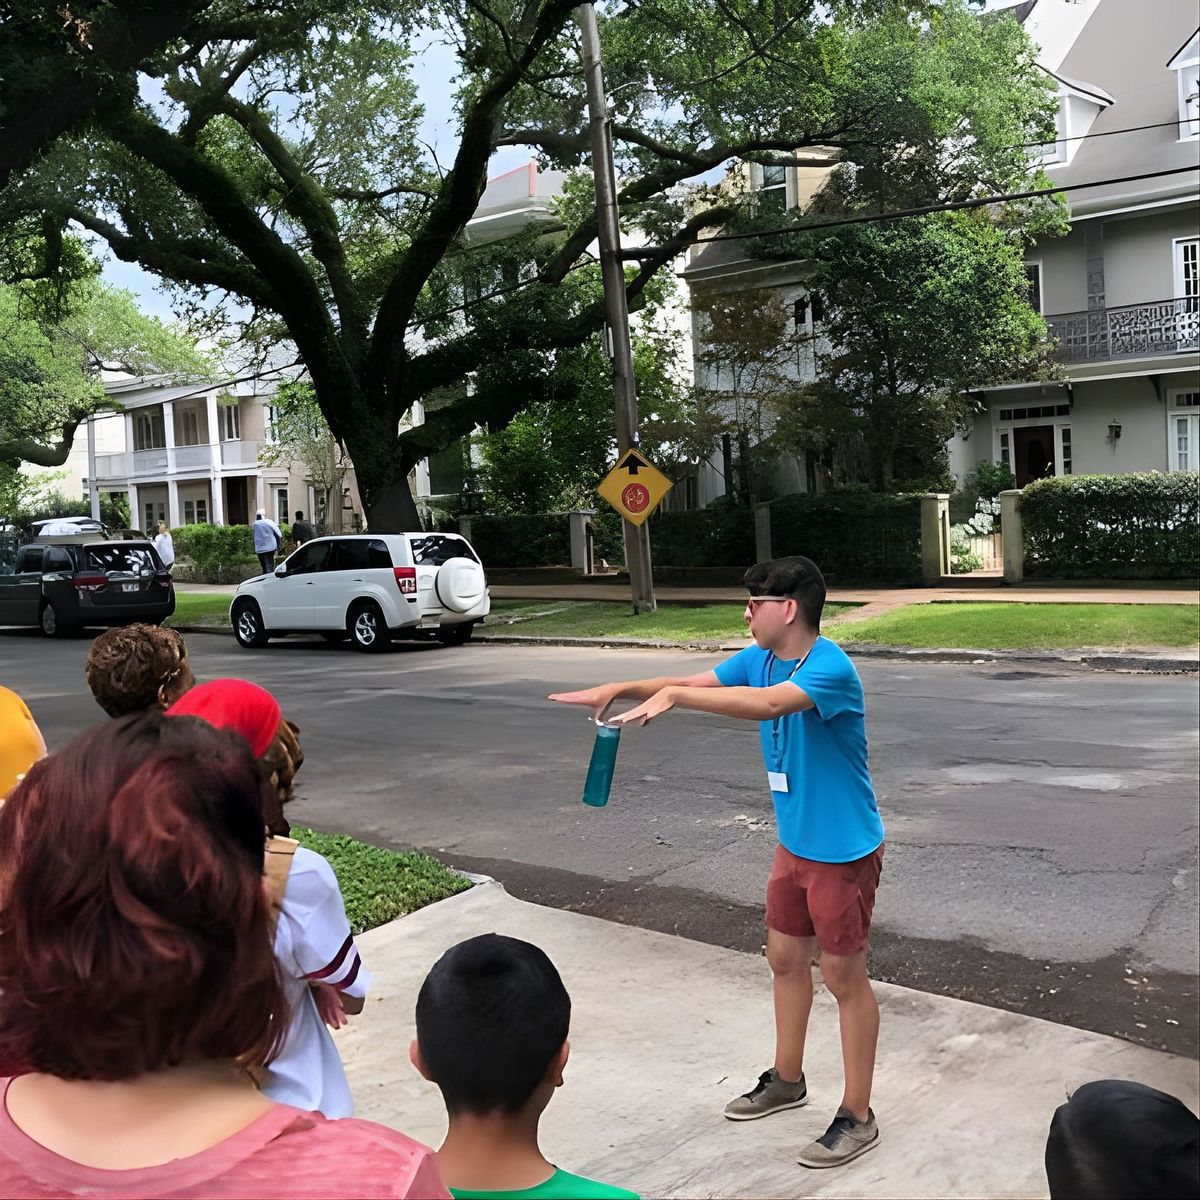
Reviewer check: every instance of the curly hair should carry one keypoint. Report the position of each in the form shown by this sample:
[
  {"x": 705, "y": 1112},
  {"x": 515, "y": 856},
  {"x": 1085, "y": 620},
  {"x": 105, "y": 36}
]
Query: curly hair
[
  {"x": 127, "y": 667},
  {"x": 282, "y": 759}
]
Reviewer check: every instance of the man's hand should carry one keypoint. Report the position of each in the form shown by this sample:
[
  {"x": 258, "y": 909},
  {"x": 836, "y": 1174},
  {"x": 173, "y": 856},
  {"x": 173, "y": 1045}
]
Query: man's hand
[
  {"x": 329, "y": 1004},
  {"x": 662, "y": 701},
  {"x": 596, "y": 698}
]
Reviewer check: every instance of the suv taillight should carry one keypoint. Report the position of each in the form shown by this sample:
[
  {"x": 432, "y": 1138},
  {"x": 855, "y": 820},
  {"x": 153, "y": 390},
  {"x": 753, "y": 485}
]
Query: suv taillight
[
  {"x": 90, "y": 581},
  {"x": 406, "y": 580},
  {"x": 164, "y": 577}
]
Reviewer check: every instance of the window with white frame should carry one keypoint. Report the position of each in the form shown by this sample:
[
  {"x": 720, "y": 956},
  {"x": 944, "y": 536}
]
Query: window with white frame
[
  {"x": 771, "y": 188},
  {"x": 195, "y": 512},
  {"x": 281, "y": 505},
  {"x": 1186, "y": 65},
  {"x": 1005, "y": 449},
  {"x": 1183, "y": 430},
  {"x": 228, "y": 422},
  {"x": 187, "y": 427},
  {"x": 149, "y": 433},
  {"x": 1033, "y": 281},
  {"x": 156, "y": 510}
]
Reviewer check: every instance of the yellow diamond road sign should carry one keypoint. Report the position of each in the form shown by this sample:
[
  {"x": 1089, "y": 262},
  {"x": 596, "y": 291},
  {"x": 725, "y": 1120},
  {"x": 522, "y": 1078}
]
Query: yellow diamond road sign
[{"x": 634, "y": 487}]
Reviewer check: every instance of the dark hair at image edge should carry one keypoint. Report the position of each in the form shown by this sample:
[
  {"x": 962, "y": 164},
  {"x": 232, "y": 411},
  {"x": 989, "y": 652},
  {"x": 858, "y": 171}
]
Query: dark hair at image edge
[
  {"x": 133, "y": 924},
  {"x": 491, "y": 1016},
  {"x": 797, "y": 577}
]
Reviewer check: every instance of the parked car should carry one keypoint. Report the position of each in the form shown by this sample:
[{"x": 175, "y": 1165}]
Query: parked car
[
  {"x": 369, "y": 587},
  {"x": 61, "y": 582}
]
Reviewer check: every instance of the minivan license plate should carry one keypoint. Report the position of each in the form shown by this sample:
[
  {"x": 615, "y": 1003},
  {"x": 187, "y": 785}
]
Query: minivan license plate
[{"x": 130, "y": 587}]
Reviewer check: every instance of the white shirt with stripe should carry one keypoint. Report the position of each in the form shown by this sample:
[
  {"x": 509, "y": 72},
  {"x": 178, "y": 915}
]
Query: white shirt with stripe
[{"x": 313, "y": 942}]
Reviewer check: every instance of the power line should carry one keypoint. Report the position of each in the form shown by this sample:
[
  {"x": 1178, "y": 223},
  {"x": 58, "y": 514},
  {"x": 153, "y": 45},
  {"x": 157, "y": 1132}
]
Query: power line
[
  {"x": 1079, "y": 137},
  {"x": 925, "y": 210}
]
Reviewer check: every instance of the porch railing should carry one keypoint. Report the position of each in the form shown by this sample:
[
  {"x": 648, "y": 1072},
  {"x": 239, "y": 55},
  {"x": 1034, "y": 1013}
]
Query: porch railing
[{"x": 1128, "y": 331}]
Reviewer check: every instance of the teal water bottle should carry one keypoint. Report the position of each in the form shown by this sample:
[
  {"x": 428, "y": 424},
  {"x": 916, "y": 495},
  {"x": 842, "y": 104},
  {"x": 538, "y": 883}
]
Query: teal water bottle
[{"x": 600, "y": 769}]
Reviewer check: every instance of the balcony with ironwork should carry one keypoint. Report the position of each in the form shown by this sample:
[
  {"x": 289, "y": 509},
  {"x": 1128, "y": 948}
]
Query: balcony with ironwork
[{"x": 1161, "y": 327}]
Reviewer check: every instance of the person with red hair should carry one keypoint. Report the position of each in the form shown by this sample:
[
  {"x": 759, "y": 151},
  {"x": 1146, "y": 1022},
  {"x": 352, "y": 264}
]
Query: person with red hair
[
  {"x": 323, "y": 975},
  {"x": 136, "y": 980}
]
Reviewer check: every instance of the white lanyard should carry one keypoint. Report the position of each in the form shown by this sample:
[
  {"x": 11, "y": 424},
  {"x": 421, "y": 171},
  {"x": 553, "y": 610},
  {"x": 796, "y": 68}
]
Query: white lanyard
[{"x": 776, "y": 749}]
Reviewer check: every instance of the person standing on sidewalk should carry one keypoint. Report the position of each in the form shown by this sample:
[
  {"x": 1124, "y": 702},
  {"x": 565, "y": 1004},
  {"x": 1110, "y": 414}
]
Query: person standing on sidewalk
[
  {"x": 302, "y": 531},
  {"x": 268, "y": 537},
  {"x": 808, "y": 699}
]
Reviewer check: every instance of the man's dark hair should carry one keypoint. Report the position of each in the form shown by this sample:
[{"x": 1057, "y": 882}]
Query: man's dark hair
[
  {"x": 797, "y": 577},
  {"x": 1114, "y": 1138},
  {"x": 491, "y": 1015},
  {"x": 299, "y": 515}
]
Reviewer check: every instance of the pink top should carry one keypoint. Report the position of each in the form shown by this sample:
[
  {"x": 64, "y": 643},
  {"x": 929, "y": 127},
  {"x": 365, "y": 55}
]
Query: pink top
[{"x": 284, "y": 1153}]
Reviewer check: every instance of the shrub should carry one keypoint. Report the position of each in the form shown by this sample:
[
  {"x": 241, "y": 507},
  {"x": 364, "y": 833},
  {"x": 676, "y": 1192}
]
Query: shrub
[
  {"x": 539, "y": 540},
  {"x": 962, "y": 558},
  {"x": 1141, "y": 526},
  {"x": 989, "y": 479},
  {"x": 851, "y": 535},
  {"x": 721, "y": 535},
  {"x": 217, "y": 553}
]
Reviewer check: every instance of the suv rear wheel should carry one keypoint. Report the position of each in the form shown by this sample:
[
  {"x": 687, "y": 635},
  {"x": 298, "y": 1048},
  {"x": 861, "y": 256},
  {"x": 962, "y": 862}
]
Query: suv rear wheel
[
  {"x": 455, "y": 635},
  {"x": 367, "y": 628},
  {"x": 248, "y": 625}
]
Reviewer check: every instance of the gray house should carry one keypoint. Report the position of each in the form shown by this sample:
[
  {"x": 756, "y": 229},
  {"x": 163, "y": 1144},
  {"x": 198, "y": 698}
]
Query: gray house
[{"x": 1122, "y": 290}]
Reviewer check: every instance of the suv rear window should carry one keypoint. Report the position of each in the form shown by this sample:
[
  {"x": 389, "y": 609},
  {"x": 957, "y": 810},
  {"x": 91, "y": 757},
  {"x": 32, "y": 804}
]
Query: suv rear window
[
  {"x": 360, "y": 554},
  {"x": 114, "y": 556},
  {"x": 433, "y": 549}
]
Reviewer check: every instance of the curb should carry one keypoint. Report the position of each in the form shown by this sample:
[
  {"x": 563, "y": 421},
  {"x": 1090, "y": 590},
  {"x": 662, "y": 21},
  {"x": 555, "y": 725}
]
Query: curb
[{"x": 1146, "y": 664}]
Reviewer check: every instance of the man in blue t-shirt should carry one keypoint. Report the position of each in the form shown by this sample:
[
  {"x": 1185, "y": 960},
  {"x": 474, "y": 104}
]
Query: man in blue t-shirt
[{"x": 808, "y": 699}]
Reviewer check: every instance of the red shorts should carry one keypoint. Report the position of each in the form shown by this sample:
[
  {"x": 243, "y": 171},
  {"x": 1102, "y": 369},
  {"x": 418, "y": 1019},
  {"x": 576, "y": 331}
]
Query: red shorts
[{"x": 832, "y": 902}]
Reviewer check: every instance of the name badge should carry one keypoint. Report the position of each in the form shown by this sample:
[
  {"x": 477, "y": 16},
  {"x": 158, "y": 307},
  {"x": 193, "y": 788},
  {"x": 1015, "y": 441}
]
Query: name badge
[{"x": 777, "y": 781}]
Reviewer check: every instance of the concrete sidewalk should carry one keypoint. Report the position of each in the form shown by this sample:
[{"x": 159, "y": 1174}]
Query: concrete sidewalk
[{"x": 666, "y": 1030}]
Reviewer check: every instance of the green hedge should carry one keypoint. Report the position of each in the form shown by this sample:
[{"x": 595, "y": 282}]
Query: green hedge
[
  {"x": 541, "y": 540},
  {"x": 850, "y": 535},
  {"x": 718, "y": 536},
  {"x": 1142, "y": 526},
  {"x": 212, "y": 549}
]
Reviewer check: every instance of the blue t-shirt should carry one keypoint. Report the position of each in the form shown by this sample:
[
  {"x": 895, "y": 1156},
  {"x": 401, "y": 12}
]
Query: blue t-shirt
[{"x": 828, "y": 813}]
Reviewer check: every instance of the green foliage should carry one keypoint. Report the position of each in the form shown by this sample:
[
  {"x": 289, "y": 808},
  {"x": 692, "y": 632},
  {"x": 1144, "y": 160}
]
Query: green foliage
[
  {"x": 963, "y": 559},
  {"x": 989, "y": 479},
  {"x": 381, "y": 885},
  {"x": 721, "y": 535},
  {"x": 522, "y": 541},
  {"x": 210, "y": 547},
  {"x": 851, "y": 535},
  {"x": 1137, "y": 526},
  {"x": 282, "y": 175},
  {"x": 26, "y": 498}
]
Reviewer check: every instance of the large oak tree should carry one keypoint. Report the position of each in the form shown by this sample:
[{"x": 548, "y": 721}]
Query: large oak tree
[{"x": 276, "y": 162}]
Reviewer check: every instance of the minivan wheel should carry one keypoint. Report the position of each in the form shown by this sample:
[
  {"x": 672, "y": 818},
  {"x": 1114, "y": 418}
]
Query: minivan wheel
[
  {"x": 248, "y": 625},
  {"x": 367, "y": 628},
  {"x": 455, "y": 635},
  {"x": 50, "y": 623}
]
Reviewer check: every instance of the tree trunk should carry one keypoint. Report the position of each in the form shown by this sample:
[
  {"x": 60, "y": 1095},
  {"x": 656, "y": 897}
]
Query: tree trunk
[{"x": 392, "y": 509}]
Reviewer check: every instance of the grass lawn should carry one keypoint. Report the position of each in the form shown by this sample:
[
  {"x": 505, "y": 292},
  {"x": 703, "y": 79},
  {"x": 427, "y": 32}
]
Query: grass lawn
[
  {"x": 609, "y": 618},
  {"x": 981, "y": 626},
  {"x": 200, "y": 608},
  {"x": 380, "y": 885}
]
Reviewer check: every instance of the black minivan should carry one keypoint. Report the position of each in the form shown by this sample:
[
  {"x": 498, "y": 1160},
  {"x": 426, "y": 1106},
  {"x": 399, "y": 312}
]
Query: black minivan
[{"x": 61, "y": 585}]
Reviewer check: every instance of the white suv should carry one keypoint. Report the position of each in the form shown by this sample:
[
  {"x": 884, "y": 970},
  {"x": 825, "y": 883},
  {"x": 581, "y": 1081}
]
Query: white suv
[{"x": 368, "y": 587}]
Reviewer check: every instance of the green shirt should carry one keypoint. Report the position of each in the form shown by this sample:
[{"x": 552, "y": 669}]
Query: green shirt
[{"x": 562, "y": 1185}]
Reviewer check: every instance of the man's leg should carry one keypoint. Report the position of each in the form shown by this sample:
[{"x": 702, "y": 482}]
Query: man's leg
[
  {"x": 858, "y": 1017},
  {"x": 790, "y": 959}
]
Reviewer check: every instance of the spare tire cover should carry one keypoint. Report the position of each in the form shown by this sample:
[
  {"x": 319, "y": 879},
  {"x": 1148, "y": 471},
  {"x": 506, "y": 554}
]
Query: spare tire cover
[{"x": 460, "y": 584}]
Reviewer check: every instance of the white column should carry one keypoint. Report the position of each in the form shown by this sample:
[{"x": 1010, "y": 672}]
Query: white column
[
  {"x": 93, "y": 483},
  {"x": 172, "y": 503},
  {"x": 169, "y": 431},
  {"x": 217, "y": 508},
  {"x": 1012, "y": 536},
  {"x": 135, "y": 517}
]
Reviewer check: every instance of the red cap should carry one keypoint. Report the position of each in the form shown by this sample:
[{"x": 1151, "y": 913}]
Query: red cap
[{"x": 233, "y": 704}]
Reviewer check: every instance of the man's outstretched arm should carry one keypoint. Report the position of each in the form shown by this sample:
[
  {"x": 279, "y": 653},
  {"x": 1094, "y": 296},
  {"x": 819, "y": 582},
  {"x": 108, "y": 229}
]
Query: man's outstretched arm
[
  {"x": 599, "y": 698},
  {"x": 749, "y": 703}
]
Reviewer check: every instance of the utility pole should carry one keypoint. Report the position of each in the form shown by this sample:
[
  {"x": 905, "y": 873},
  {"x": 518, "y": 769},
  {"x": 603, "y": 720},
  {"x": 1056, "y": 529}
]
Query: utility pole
[{"x": 637, "y": 537}]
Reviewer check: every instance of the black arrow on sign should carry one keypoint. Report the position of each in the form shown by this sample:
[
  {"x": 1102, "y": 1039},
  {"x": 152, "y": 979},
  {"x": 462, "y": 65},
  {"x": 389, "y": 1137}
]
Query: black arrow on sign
[{"x": 632, "y": 464}]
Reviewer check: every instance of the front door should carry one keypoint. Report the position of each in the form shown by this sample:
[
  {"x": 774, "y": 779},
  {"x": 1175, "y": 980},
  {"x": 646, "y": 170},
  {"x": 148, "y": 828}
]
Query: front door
[
  {"x": 237, "y": 507},
  {"x": 1033, "y": 453}
]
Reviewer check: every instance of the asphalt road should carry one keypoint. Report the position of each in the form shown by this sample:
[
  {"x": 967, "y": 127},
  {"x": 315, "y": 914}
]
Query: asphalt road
[{"x": 1041, "y": 824}]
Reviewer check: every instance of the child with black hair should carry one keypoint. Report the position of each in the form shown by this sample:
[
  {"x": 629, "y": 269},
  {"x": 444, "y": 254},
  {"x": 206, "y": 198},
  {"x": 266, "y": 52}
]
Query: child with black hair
[{"x": 492, "y": 1023}]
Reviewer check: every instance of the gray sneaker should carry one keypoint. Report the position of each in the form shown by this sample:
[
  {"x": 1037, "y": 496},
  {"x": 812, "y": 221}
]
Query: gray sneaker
[
  {"x": 770, "y": 1095},
  {"x": 845, "y": 1139}
]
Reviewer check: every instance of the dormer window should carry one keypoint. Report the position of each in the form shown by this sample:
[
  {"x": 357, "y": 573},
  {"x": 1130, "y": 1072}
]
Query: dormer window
[
  {"x": 1079, "y": 104},
  {"x": 1186, "y": 65}
]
